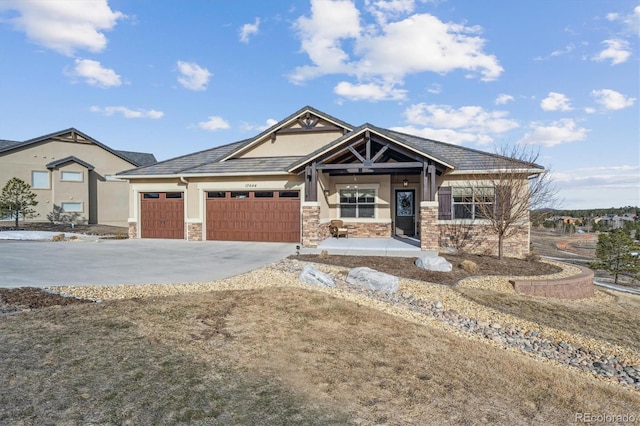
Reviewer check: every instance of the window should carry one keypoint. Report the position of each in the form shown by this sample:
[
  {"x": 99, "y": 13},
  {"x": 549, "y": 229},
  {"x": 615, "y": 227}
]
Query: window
[
  {"x": 357, "y": 203},
  {"x": 239, "y": 194},
  {"x": 40, "y": 180},
  {"x": 289, "y": 194},
  {"x": 216, "y": 194},
  {"x": 263, "y": 194},
  {"x": 71, "y": 207},
  {"x": 469, "y": 203},
  {"x": 151, "y": 195},
  {"x": 71, "y": 176},
  {"x": 173, "y": 195}
]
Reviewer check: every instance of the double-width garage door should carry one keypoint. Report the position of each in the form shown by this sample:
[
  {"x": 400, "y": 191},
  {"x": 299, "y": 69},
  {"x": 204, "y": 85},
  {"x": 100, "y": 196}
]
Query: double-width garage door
[
  {"x": 162, "y": 215},
  {"x": 253, "y": 216}
]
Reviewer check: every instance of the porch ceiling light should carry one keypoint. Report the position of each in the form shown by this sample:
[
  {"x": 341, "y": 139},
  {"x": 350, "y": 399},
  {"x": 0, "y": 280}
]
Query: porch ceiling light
[
  {"x": 326, "y": 192},
  {"x": 405, "y": 183}
]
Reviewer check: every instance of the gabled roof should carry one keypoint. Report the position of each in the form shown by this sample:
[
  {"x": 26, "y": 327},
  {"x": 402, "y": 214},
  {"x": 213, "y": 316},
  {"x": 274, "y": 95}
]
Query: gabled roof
[
  {"x": 221, "y": 160},
  {"x": 69, "y": 159},
  {"x": 283, "y": 123},
  {"x": 135, "y": 158}
]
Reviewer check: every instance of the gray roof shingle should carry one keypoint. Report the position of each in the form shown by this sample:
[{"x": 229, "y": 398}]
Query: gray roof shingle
[{"x": 219, "y": 160}]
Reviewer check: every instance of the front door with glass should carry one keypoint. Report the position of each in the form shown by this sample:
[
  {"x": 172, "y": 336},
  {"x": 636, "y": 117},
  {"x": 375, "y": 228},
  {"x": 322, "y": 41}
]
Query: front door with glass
[{"x": 405, "y": 213}]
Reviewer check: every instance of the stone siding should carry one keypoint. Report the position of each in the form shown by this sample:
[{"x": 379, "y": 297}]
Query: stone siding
[
  {"x": 429, "y": 231},
  {"x": 479, "y": 239},
  {"x": 310, "y": 226},
  {"x": 194, "y": 231},
  {"x": 576, "y": 287},
  {"x": 133, "y": 230},
  {"x": 361, "y": 230}
]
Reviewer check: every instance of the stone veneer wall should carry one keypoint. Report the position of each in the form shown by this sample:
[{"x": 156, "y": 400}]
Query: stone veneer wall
[
  {"x": 360, "y": 230},
  {"x": 194, "y": 231},
  {"x": 429, "y": 231},
  {"x": 310, "y": 225},
  {"x": 133, "y": 230},
  {"x": 481, "y": 240},
  {"x": 579, "y": 286}
]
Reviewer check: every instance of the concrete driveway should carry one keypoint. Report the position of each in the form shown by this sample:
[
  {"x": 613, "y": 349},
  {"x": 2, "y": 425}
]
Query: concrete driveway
[{"x": 109, "y": 262}]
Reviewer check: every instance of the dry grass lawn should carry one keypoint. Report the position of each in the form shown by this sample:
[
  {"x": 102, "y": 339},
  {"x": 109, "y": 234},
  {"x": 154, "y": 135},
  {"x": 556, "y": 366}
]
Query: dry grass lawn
[{"x": 273, "y": 356}]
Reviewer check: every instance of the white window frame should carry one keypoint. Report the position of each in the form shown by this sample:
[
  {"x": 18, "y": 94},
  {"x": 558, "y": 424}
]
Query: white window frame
[
  {"x": 79, "y": 176},
  {"x": 41, "y": 173},
  {"x": 374, "y": 187},
  {"x": 79, "y": 203}
]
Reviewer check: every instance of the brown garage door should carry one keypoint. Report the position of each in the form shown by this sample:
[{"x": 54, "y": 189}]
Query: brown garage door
[
  {"x": 162, "y": 215},
  {"x": 253, "y": 216}
]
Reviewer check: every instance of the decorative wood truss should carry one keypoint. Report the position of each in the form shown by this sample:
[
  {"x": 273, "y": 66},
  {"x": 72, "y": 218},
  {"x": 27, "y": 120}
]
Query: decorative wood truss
[
  {"x": 308, "y": 123},
  {"x": 372, "y": 154}
]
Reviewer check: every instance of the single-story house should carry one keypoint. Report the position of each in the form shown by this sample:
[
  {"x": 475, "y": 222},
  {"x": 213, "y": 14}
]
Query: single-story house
[
  {"x": 73, "y": 176},
  {"x": 288, "y": 182}
]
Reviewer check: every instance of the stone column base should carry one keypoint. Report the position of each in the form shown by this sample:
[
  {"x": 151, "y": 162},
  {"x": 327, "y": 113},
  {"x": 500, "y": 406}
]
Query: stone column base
[
  {"x": 310, "y": 225},
  {"x": 133, "y": 230},
  {"x": 194, "y": 231},
  {"x": 429, "y": 231}
]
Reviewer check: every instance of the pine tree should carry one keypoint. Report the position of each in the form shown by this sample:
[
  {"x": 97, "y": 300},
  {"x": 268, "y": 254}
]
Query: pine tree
[
  {"x": 17, "y": 199},
  {"x": 618, "y": 253}
]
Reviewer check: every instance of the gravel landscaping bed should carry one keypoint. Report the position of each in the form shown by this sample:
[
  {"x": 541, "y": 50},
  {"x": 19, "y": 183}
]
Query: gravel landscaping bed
[{"x": 426, "y": 303}]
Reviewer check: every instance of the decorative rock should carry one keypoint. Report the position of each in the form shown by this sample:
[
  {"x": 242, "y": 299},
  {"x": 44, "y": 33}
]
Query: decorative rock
[
  {"x": 438, "y": 305},
  {"x": 311, "y": 275},
  {"x": 469, "y": 266},
  {"x": 433, "y": 263},
  {"x": 374, "y": 280}
]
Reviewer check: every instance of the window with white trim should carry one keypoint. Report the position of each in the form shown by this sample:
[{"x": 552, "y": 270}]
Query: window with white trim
[
  {"x": 68, "y": 207},
  {"x": 357, "y": 202},
  {"x": 40, "y": 180},
  {"x": 71, "y": 176}
]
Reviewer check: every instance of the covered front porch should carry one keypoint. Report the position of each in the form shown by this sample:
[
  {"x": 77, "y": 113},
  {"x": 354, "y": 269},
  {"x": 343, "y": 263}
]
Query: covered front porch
[{"x": 378, "y": 187}]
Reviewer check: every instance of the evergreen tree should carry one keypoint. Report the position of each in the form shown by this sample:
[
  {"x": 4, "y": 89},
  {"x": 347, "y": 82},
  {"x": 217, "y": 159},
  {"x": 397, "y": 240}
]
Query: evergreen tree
[
  {"x": 618, "y": 253},
  {"x": 17, "y": 199}
]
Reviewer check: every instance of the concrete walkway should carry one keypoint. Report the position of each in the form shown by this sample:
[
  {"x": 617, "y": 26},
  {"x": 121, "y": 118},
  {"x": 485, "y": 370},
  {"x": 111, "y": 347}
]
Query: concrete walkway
[
  {"x": 397, "y": 247},
  {"x": 143, "y": 261}
]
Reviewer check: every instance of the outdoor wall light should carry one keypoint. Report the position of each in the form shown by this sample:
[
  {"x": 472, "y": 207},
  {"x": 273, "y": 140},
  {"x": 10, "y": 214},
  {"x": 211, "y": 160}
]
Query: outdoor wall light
[
  {"x": 326, "y": 192},
  {"x": 405, "y": 183}
]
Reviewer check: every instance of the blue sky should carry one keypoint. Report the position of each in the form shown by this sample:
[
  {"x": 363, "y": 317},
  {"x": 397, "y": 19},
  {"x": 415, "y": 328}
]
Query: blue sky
[{"x": 179, "y": 76}]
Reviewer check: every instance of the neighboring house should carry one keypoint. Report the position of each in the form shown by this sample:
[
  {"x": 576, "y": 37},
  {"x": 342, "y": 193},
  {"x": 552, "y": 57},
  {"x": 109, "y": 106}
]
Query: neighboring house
[
  {"x": 614, "y": 221},
  {"x": 287, "y": 183},
  {"x": 73, "y": 175}
]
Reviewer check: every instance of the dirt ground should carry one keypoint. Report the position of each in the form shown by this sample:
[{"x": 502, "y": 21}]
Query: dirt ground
[{"x": 102, "y": 230}]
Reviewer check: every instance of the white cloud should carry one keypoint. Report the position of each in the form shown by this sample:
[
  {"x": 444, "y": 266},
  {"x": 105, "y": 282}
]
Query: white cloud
[
  {"x": 127, "y": 112},
  {"x": 336, "y": 43},
  {"x": 612, "y": 100},
  {"x": 444, "y": 135},
  {"x": 558, "y": 132},
  {"x": 62, "y": 25},
  {"x": 246, "y": 127},
  {"x": 321, "y": 37},
  {"x": 589, "y": 110},
  {"x": 383, "y": 10},
  {"x": 95, "y": 74},
  {"x": 214, "y": 123},
  {"x": 471, "y": 118},
  {"x": 617, "y": 51},
  {"x": 467, "y": 124},
  {"x": 193, "y": 76},
  {"x": 631, "y": 21},
  {"x": 369, "y": 92},
  {"x": 247, "y": 30},
  {"x": 556, "y": 102},
  {"x": 435, "y": 88},
  {"x": 608, "y": 186},
  {"x": 503, "y": 99}
]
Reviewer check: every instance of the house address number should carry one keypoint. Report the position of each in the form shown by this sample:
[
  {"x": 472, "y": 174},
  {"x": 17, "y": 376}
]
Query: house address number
[{"x": 250, "y": 185}]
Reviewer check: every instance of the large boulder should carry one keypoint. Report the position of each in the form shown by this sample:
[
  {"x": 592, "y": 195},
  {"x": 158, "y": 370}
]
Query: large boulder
[
  {"x": 311, "y": 275},
  {"x": 374, "y": 280},
  {"x": 434, "y": 263}
]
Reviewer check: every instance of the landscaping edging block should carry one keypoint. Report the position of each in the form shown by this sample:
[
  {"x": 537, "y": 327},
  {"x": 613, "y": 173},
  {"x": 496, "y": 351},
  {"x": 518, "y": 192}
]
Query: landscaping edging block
[{"x": 578, "y": 286}]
